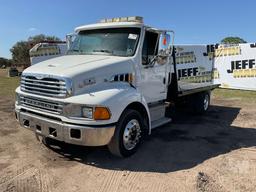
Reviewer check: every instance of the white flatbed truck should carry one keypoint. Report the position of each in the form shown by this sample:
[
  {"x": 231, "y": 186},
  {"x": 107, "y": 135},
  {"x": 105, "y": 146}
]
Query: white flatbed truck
[{"x": 112, "y": 88}]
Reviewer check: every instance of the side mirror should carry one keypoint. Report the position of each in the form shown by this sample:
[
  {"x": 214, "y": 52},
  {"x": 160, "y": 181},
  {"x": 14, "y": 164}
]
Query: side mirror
[
  {"x": 164, "y": 50},
  {"x": 164, "y": 44},
  {"x": 69, "y": 39}
]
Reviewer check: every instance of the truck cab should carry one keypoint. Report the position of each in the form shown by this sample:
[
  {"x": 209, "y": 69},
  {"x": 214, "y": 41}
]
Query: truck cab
[{"x": 111, "y": 88}]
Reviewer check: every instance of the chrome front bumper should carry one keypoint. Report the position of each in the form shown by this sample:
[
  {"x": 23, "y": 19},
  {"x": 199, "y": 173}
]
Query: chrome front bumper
[{"x": 69, "y": 133}]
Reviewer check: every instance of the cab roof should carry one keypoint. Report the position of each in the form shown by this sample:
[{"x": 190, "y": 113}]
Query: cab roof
[{"x": 109, "y": 25}]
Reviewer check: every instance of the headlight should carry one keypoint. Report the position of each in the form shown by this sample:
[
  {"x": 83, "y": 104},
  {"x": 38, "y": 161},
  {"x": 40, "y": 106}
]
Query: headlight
[
  {"x": 69, "y": 88},
  {"x": 17, "y": 99},
  {"x": 97, "y": 113},
  {"x": 87, "y": 112}
]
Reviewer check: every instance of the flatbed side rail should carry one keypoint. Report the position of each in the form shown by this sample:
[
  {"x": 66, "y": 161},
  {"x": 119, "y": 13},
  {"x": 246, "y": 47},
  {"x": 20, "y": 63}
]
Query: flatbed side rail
[{"x": 197, "y": 90}]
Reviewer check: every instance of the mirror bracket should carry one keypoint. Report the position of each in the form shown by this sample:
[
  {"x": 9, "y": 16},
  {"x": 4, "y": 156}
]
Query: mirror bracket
[{"x": 69, "y": 39}]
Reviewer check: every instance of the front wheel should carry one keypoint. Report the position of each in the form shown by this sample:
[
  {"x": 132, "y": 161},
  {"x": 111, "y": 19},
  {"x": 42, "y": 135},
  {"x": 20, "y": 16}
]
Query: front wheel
[{"x": 128, "y": 134}]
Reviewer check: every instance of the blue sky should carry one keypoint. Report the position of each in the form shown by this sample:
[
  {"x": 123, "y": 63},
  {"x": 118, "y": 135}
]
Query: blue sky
[{"x": 195, "y": 21}]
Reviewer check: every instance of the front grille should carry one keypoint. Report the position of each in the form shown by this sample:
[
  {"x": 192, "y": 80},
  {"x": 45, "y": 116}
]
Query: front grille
[
  {"x": 45, "y": 86},
  {"x": 42, "y": 105},
  {"x": 41, "y": 115}
]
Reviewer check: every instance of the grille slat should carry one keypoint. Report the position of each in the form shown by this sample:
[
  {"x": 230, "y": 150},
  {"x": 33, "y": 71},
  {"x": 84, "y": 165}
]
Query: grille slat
[
  {"x": 45, "y": 86},
  {"x": 33, "y": 79},
  {"x": 44, "y": 94},
  {"x": 43, "y": 105},
  {"x": 42, "y": 109},
  {"x": 45, "y": 102},
  {"x": 42, "y": 89}
]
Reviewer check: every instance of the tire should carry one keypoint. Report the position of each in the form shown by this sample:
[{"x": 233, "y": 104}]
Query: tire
[
  {"x": 128, "y": 134},
  {"x": 202, "y": 102}
]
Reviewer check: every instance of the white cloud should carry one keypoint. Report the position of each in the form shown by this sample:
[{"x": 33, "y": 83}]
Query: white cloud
[{"x": 31, "y": 29}]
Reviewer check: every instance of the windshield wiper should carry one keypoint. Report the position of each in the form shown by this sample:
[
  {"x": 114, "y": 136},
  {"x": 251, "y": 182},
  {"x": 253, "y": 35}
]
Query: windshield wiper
[
  {"x": 75, "y": 50},
  {"x": 102, "y": 51}
]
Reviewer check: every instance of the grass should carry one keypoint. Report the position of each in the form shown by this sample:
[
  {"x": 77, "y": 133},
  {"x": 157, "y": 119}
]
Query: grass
[
  {"x": 247, "y": 96},
  {"x": 8, "y": 86}
]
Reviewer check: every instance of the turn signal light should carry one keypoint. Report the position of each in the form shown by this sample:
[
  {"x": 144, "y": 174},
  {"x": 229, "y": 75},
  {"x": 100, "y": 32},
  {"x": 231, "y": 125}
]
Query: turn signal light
[{"x": 101, "y": 113}]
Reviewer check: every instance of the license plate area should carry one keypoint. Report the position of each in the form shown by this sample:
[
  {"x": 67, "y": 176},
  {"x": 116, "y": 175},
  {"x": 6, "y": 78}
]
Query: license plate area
[{"x": 42, "y": 127}]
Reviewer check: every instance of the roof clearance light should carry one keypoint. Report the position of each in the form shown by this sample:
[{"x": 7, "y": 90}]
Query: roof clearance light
[{"x": 123, "y": 19}]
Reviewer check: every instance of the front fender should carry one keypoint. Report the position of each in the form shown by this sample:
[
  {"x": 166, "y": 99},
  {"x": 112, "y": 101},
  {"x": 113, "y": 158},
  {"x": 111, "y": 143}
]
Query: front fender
[{"x": 116, "y": 96}]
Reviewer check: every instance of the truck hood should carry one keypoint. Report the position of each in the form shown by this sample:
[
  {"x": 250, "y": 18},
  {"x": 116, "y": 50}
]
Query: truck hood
[{"x": 73, "y": 65}]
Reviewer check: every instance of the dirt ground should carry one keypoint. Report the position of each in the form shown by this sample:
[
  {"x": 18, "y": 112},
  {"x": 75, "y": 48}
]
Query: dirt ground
[
  {"x": 214, "y": 152},
  {"x": 3, "y": 72}
]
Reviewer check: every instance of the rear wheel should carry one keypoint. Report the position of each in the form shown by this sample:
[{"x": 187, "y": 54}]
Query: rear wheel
[
  {"x": 128, "y": 134},
  {"x": 202, "y": 102}
]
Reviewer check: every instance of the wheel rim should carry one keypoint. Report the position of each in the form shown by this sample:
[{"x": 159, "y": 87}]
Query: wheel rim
[
  {"x": 206, "y": 102},
  {"x": 132, "y": 134}
]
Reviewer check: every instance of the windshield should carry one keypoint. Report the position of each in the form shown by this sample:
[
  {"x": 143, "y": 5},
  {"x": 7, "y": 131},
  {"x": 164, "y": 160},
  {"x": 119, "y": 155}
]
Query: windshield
[{"x": 115, "y": 42}]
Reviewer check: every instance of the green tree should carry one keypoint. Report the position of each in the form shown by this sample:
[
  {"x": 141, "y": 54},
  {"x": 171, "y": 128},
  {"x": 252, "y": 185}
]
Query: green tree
[
  {"x": 41, "y": 37},
  {"x": 20, "y": 51},
  {"x": 5, "y": 62},
  {"x": 232, "y": 40}
]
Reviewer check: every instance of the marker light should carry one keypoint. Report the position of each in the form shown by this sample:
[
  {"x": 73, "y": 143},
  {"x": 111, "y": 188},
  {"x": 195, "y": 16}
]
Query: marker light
[
  {"x": 101, "y": 113},
  {"x": 123, "y": 19}
]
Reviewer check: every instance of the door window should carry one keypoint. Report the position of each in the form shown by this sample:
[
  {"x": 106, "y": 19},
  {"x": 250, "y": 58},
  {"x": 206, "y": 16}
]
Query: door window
[{"x": 150, "y": 47}]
